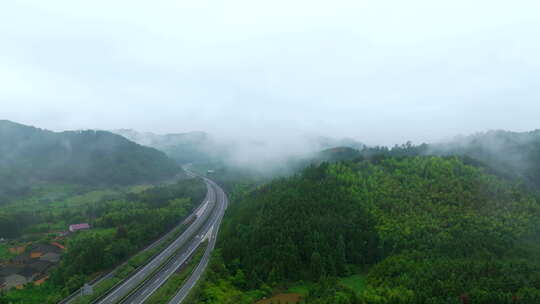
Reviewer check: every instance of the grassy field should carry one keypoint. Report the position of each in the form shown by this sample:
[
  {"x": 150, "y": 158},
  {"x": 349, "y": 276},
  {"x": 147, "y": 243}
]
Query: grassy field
[
  {"x": 301, "y": 288},
  {"x": 356, "y": 282},
  {"x": 294, "y": 294}
]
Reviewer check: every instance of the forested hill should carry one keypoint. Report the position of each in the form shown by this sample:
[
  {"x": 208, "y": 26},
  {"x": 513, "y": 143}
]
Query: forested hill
[
  {"x": 514, "y": 153},
  {"x": 30, "y": 155},
  {"x": 425, "y": 229}
]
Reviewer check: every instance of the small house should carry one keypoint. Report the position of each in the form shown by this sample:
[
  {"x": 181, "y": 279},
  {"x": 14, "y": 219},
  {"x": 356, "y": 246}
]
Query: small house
[
  {"x": 58, "y": 245},
  {"x": 29, "y": 273},
  {"x": 17, "y": 250},
  {"x": 8, "y": 270},
  {"x": 77, "y": 227},
  {"x": 15, "y": 280},
  {"x": 50, "y": 257},
  {"x": 22, "y": 259},
  {"x": 38, "y": 267},
  {"x": 41, "y": 281},
  {"x": 45, "y": 248}
]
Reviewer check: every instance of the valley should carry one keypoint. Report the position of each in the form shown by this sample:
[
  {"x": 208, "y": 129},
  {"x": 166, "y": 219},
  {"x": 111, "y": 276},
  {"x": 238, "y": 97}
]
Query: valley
[{"x": 343, "y": 225}]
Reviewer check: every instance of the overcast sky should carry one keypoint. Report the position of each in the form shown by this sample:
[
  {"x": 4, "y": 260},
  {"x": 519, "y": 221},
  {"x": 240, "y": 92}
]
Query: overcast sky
[{"x": 379, "y": 71}]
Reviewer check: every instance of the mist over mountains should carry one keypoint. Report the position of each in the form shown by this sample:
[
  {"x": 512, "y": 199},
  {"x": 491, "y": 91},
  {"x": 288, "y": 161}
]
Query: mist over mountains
[
  {"x": 32, "y": 156},
  {"x": 261, "y": 154},
  {"x": 516, "y": 154}
]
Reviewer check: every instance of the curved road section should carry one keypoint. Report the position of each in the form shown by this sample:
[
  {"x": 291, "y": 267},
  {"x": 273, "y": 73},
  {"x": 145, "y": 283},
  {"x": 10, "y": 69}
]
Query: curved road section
[
  {"x": 197, "y": 273},
  {"x": 124, "y": 289},
  {"x": 158, "y": 278}
]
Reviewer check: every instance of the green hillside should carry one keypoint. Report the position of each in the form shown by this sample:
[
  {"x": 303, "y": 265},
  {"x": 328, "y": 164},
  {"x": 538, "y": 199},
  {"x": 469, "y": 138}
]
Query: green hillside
[
  {"x": 516, "y": 154},
  {"x": 31, "y": 156},
  {"x": 422, "y": 229}
]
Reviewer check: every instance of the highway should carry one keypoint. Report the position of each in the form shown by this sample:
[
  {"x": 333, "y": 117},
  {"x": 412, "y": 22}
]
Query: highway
[
  {"x": 124, "y": 289},
  {"x": 74, "y": 296},
  {"x": 197, "y": 273},
  {"x": 145, "y": 290}
]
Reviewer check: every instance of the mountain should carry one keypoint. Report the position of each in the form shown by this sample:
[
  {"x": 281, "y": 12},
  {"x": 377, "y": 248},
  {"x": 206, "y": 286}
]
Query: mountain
[
  {"x": 30, "y": 156},
  {"x": 324, "y": 143},
  {"x": 192, "y": 147},
  {"x": 516, "y": 154},
  {"x": 418, "y": 229},
  {"x": 257, "y": 154},
  {"x": 337, "y": 154}
]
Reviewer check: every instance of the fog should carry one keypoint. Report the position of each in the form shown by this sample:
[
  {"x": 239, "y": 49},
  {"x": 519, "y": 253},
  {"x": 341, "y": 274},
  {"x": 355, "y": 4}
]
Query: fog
[{"x": 381, "y": 72}]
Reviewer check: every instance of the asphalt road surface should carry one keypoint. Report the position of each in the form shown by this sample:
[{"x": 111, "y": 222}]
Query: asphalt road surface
[
  {"x": 197, "y": 273},
  {"x": 159, "y": 277},
  {"x": 123, "y": 289}
]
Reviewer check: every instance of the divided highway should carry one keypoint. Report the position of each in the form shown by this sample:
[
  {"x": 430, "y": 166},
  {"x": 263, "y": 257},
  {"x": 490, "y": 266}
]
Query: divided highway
[
  {"x": 210, "y": 228},
  {"x": 161, "y": 262},
  {"x": 197, "y": 273}
]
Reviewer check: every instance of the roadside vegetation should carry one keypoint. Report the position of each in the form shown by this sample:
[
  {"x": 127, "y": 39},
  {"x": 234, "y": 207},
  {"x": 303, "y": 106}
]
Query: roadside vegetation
[
  {"x": 166, "y": 292},
  {"x": 131, "y": 265},
  {"x": 122, "y": 224}
]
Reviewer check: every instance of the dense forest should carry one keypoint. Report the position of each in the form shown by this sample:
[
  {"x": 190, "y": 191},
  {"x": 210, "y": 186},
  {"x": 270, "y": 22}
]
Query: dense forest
[
  {"x": 32, "y": 156},
  {"x": 516, "y": 154},
  {"x": 422, "y": 229},
  {"x": 121, "y": 226}
]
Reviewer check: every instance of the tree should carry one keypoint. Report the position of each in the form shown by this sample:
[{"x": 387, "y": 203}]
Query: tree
[
  {"x": 341, "y": 259},
  {"x": 317, "y": 266}
]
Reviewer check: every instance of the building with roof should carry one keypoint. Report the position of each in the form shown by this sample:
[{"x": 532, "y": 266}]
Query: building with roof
[
  {"x": 14, "y": 280},
  {"x": 44, "y": 248},
  {"x": 50, "y": 257},
  {"x": 58, "y": 245},
  {"x": 39, "y": 267},
  {"x": 29, "y": 273},
  {"x": 77, "y": 227},
  {"x": 9, "y": 270},
  {"x": 22, "y": 259},
  {"x": 17, "y": 250},
  {"x": 36, "y": 254},
  {"x": 41, "y": 281}
]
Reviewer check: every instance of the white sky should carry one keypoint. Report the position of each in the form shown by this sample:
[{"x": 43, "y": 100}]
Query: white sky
[{"x": 382, "y": 72}]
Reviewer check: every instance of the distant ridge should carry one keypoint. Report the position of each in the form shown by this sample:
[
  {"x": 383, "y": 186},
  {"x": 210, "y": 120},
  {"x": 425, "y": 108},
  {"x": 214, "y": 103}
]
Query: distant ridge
[
  {"x": 514, "y": 153},
  {"x": 191, "y": 147},
  {"x": 197, "y": 147},
  {"x": 29, "y": 156}
]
